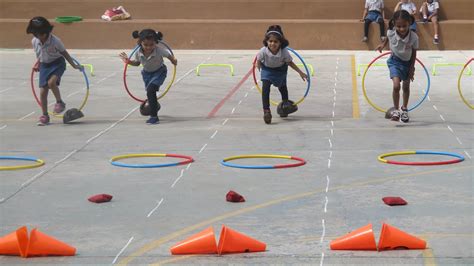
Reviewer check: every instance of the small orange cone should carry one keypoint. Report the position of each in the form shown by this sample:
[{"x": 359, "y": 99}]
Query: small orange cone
[
  {"x": 15, "y": 243},
  {"x": 394, "y": 238},
  {"x": 361, "y": 239},
  {"x": 232, "y": 241},
  {"x": 41, "y": 244},
  {"x": 203, "y": 242}
]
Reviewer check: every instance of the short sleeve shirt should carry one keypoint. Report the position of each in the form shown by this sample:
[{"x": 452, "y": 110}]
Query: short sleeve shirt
[
  {"x": 433, "y": 7},
  {"x": 374, "y": 5},
  {"x": 402, "y": 47},
  {"x": 50, "y": 50},
  {"x": 274, "y": 60},
  {"x": 154, "y": 61},
  {"x": 410, "y": 7}
]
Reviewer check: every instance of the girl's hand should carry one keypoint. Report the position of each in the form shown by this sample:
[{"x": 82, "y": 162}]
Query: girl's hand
[
  {"x": 380, "y": 48},
  {"x": 79, "y": 67},
  {"x": 411, "y": 73},
  {"x": 36, "y": 68},
  {"x": 174, "y": 61},
  {"x": 303, "y": 76},
  {"x": 124, "y": 57}
]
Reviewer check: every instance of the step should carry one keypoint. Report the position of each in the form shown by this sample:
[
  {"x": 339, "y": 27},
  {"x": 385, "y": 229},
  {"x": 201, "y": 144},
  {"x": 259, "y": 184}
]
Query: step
[{"x": 244, "y": 34}]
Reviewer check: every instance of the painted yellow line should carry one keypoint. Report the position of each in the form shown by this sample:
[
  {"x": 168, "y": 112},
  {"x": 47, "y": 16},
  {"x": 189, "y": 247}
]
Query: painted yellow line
[
  {"x": 355, "y": 95},
  {"x": 428, "y": 257},
  {"x": 155, "y": 244}
]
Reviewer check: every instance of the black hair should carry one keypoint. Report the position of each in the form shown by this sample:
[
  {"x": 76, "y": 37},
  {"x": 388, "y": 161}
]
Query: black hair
[
  {"x": 277, "y": 32},
  {"x": 39, "y": 25},
  {"x": 400, "y": 14},
  {"x": 147, "y": 34}
]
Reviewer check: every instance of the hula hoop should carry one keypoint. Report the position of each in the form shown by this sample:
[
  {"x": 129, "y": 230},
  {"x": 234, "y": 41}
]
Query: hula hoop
[
  {"x": 68, "y": 19},
  {"x": 33, "y": 88},
  {"x": 459, "y": 158},
  {"x": 125, "y": 75},
  {"x": 113, "y": 160},
  {"x": 307, "y": 74},
  {"x": 459, "y": 85},
  {"x": 18, "y": 167},
  {"x": 276, "y": 166},
  {"x": 378, "y": 108}
]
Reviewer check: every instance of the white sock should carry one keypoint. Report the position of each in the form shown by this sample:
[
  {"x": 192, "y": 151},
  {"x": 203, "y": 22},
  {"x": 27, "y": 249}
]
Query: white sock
[
  {"x": 436, "y": 36},
  {"x": 425, "y": 17}
]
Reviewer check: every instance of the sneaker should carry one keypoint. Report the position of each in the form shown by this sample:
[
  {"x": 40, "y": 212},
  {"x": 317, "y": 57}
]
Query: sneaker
[
  {"x": 395, "y": 115},
  {"x": 364, "y": 39},
  {"x": 43, "y": 120},
  {"x": 425, "y": 20},
  {"x": 382, "y": 38},
  {"x": 436, "y": 41},
  {"x": 59, "y": 107},
  {"x": 404, "y": 116},
  {"x": 153, "y": 120},
  {"x": 267, "y": 116}
]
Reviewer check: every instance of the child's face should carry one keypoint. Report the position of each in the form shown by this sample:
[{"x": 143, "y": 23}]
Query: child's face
[
  {"x": 273, "y": 44},
  {"x": 402, "y": 27},
  {"x": 41, "y": 36},
  {"x": 148, "y": 45}
]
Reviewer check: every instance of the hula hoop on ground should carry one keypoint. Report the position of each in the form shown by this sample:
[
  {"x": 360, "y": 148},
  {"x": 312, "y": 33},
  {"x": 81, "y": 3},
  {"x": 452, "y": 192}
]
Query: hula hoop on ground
[
  {"x": 37, "y": 163},
  {"x": 125, "y": 75},
  {"x": 252, "y": 156},
  {"x": 307, "y": 74},
  {"x": 459, "y": 85},
  {"x": 378, "y": 108},
  {"x": 113, "y": 160},
  {"x": 459, "y": 158},
  {"x": 33, "y": 88}
]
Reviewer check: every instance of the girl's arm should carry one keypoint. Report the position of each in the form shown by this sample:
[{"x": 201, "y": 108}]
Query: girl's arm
[
  {"x": 397, "y": 7},
  {"x": 173, "y": 60},
  {"x": 296, "y": 68},
  {"x": 259, "y": 65},
  {"x": 125, "y": 59},
  {"x": 411, "y": 73},
  {"x": 364, "y": 14},
  {"x": 383, "y": 13},
  {"x": 71, "y": 61}
]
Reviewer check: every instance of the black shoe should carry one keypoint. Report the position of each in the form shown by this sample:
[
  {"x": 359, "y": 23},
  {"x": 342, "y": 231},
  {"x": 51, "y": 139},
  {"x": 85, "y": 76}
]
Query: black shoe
[{"x": 267, "y": 116}]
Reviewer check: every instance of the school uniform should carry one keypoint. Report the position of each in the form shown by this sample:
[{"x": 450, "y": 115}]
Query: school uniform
[
  {"x": 51, "y": 61},
  {"x": 274, "y": 66},
  {"x": 375, "y": 10},
  {"x": 154, "y": 70},
  {"x": 402, "y": 49},
  {"x": 432, "y": 7},
  {"x": 410, "y": 7}
]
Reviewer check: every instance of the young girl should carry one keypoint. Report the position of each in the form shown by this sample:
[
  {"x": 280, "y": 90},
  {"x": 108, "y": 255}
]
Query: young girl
[
  {"x": 410, "y": 7},
  {"x": 373, "y": 12},
  {"x": 403, "y": 44},
  {"x": 273, "y": 60},
  {"x": 50, "y": 52},
  {"x": 429, "y": 11},
  {"x": 150, "y": 55}
]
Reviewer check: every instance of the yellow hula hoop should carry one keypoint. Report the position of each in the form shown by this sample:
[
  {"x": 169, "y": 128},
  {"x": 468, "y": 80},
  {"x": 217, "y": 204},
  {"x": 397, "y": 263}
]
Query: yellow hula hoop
[
  {"x": 459, "y": 85},
  {"x": 38, "y": 163},
  {"x": 300, "y": 161},
  {"x": 114, "y": 160},
  {"x": 381, "y": 157}
]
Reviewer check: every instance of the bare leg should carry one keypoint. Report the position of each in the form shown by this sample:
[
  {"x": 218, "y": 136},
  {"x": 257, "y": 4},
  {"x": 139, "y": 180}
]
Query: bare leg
[
  {"x": 54, "y": 87},
  {"x": 424, "y": 10},
  {"x": 406, "y": 93},
  {"x": 396, "y": 92},
  {"x": 434, "y": 19},
  {"x": 44, "y": 100}
]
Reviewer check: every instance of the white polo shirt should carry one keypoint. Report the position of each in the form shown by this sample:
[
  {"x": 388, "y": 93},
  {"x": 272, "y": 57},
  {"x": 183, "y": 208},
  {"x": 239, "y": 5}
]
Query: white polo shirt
[
  {"x": 374, "y": 5},
  {"x": 274, "y": 60},
  {"x": 402, "y": 48},
  {"x": 50, "y": 50},
  {"x": 154, "y": 61}
]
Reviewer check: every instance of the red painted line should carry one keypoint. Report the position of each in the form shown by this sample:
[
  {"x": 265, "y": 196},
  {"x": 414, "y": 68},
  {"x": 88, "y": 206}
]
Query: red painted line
[{"x": 229, "y": 95}]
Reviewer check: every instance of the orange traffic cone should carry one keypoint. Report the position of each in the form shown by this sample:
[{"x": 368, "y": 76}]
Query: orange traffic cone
[
  {"x": 41, "y": 244},
  {"x": 394, "y": 238},
  {"x": 203, "y": 242},
  {"x": 15, "y": 243},
  {"x": 361, "y": 239},
  {"x": 232, "y": 241}
]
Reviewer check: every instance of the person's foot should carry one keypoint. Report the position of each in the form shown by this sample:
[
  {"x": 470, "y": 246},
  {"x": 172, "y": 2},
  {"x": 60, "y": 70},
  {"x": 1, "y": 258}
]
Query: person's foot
[
  {"x": 436, "y": 40},
  {"x": 153, "y": 120},
  {"x": 395, "y": 115},
  {"x": 364, "y": 39},
  {"x": 59, "y": 107},
  {"x": 425, "y": 19},
  {"x": 404, "y": 116},
  {"x": 267, "y": 116},
  {"x": 43, "y": 120}
]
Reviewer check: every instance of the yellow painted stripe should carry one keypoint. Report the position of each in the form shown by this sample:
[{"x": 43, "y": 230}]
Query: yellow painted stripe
[
  {"x": 355, "y": 95},
  {"x": 155, "y": 244},
  {"x": 428, "y": 257}
]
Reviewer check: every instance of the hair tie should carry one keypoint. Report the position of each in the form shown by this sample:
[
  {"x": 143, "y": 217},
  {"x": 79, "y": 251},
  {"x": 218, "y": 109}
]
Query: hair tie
[{"x": 273, "y": 31}]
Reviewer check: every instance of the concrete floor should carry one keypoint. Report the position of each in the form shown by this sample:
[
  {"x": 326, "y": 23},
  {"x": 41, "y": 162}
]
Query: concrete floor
[{"x": 295, "y": 211}]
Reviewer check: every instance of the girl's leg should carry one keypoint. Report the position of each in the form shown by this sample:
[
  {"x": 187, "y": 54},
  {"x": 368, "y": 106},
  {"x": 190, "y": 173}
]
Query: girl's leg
[
  {"x": 396, "y": 92},
  {"x": 434, "y": 20},
  {"x": 366, "y": 27},
  {"x": 266, "y": 94},
  {"x": 44, "y": 100},
  {"x": 152, "y": 99},
  {"x": 406, "y": 94},
  {"x": 382, "y": 27},
  {"x": 284, "y": 93},
  {"x": 424, "y": 11},
  {"x": 52, "y": 83}
]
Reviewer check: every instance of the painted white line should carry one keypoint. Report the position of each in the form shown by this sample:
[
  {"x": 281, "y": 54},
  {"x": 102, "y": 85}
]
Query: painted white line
[
  {"x": 233, "y": 110},
  {"x": 442, "y": 118},
  {"x": 329, "y": 163},
  {"x": 334, "y": 98},
  {"x": 246, "y": 94},
  {"x": 434, "y": 107},
  {"x": 322, "y": 259},
  {"x": 326, "y": 205},
  {"x": 4, "y": 126},
  {"x": 450, "y": 129},
  {"x": 74, "y": 93},
  {"x": 239, "y": 102},
  {"x": 225, "y": 121},
  {"x": 7, "y": 89},
  {"x": 334, "y": 90},
  {"x": 330, "y": 143},
  {"x": 324, "y": 231},
  {"x": 330, "y": 154},
  {"x": 33, "y": 178},
  {"x": 109, "y": 76},
  {"x": 187, "y": 167},
  {"x": 177, "y": 179},
  {"x": 459, "y": 140},
  {"x": 327, "y": 183},
  {"x": 334, "y": 105},
  {"x": 213, "y": 135},
  {"x": 332, "y": 123},
  {"x": 332, "y": 132},
  {"x": 203, "y": 147},
  {"x": 467, "y": 154},
  {"x": 333, "y": 114},
  {"x": 26, "y": 116},
  {"x": 154, "y": 209},
  {"x": 66, "y": 157},
  {"x": 122, "y": 250},
  {"x": 429, "y": 98}
]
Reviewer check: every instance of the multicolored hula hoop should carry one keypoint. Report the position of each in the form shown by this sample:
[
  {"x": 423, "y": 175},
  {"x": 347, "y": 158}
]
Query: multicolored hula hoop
[
  {"x": 459, "y": 158},
  {"x": 33, "y": 88},
  {"x": 276, "y": 166},
  {"x": 113, "y": 160},
  {"x": 307, "y": 74},
  {"x": 125, "y": 75},
  {"x": 37, "y": 163},
  {"x": 410, "y": 108},
  {"x": 459, "y": 85}
]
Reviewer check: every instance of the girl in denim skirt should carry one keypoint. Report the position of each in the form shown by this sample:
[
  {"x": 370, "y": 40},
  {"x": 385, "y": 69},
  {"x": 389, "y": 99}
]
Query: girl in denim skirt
[
  {"x": 403, "y": 44},
  {"x": 150, "y": 55},
  {"x": 51, "y": 53},
  {"x": 273, "y": 60}
]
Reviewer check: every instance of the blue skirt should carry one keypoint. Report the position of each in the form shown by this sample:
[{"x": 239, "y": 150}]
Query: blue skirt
[
  {"x": 277, "y": 75},
  {"x": 374, "y": 16},
  {"x": 398, "y": 68},
  {"x": 156, "y": 77},
  {"x": 46, "y": 70}
]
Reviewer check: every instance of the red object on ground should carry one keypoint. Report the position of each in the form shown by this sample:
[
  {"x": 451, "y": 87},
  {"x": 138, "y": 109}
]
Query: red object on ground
[
  {"x": 100, "y": 198},
  {"x": 394, "y": 201},
  {"x": 233, "y": 196}
]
